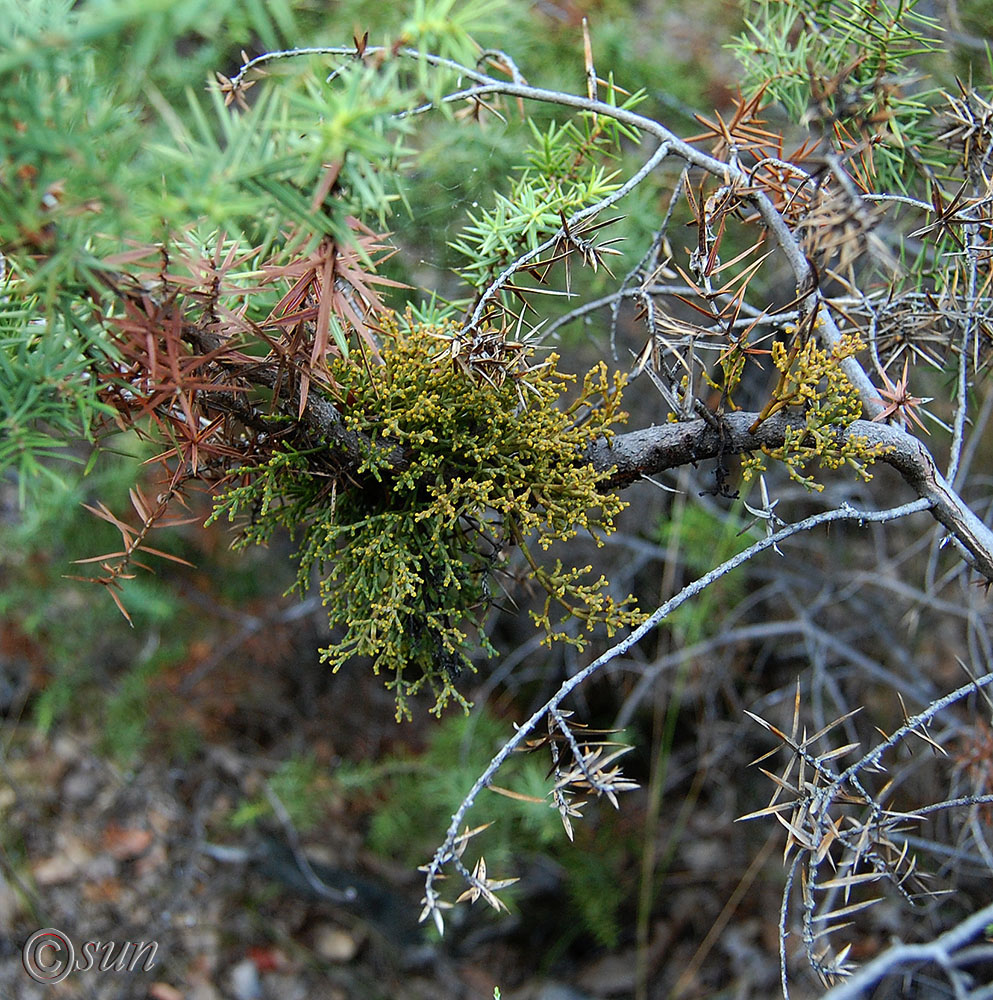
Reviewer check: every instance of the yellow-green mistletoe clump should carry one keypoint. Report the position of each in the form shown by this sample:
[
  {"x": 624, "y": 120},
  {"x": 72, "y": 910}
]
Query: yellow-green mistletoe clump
[
  {"x": 469, "y": 450},
  {"x": 811, "y": 379}
]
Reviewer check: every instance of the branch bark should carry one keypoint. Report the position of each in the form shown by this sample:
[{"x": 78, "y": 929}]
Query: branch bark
[{"x": 651, "y": 450}]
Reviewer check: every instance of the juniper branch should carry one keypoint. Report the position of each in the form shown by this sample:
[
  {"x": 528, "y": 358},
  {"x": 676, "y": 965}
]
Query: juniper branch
[
  {"x": 447, "y": 851},
  {"x": 628, "y": 457},
  {"x": 942, "y": 951},
  {"x": 653, "y": 449}
]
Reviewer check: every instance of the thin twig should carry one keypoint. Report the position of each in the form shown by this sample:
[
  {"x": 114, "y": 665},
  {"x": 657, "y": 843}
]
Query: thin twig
[
  {"x": 446, "y": 852},
  {"x": 941, "y": 951}
]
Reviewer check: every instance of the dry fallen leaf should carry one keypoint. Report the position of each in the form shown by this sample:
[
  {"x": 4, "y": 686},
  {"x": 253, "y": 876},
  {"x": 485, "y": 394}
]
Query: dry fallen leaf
[{"x": 124, "y": 843}]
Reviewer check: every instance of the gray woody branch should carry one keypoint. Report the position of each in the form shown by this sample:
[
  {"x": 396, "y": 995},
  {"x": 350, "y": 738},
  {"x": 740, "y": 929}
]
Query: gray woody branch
[
  {"x": 628, "y": 457},
  {"x": 651, "y": 450}
]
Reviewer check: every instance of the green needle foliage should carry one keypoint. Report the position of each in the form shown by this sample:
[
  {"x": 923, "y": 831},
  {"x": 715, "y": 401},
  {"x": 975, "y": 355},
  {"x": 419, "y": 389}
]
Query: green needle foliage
[
  {"x": 845, "y": 67},
  {"x": 108, "y": 141},
  {"x": 563, "y": 176}
]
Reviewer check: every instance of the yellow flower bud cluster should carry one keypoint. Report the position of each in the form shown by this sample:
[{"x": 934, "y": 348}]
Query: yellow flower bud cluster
[{"x": 811, "y": 382}]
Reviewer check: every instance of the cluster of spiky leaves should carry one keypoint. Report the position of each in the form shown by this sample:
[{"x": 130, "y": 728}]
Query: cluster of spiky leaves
[
  {"x": 87, "y": 166},
  {"x": 844, "y": 68},
  {"x": 811, "y": 381},
  {"x": 565, "y": 173},
  {"x": 848, "y": 843},
  {"x": 455, "y": 469}
]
